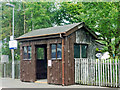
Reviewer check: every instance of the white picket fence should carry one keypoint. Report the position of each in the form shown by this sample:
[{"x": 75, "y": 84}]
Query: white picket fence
[{"x": 97, "y": 72}]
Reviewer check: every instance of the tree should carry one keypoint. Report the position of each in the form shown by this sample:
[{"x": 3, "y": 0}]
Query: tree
[
  {"x": 39, "y": 15},
  {"x": 28, "y": 16},
  {"x": 101, "y": 17}
]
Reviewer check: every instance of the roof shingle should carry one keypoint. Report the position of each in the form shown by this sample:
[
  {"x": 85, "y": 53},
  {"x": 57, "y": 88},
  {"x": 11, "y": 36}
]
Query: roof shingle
[{"x": 50, "y": 30}]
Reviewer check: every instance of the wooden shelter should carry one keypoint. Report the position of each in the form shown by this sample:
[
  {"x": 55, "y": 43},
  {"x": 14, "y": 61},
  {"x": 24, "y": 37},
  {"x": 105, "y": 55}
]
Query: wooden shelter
[{"x": 50, "y": 53}]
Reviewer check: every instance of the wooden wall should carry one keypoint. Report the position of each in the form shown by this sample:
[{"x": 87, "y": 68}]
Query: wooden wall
[
  {"x": 84, "y": 37},
  {"x": 69, "y": 60},
  {"x": 81, "y": 36},
  {"x": 28, "y": 67}
]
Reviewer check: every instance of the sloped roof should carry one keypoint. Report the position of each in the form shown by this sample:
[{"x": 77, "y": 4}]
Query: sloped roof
[{"x": 49, "y": 31}]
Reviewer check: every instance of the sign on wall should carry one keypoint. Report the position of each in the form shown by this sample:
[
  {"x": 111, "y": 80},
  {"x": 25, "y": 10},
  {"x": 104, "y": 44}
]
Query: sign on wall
[
  {"x": 98, "y": 55},
  {"x": 49, "y": 63},
  {"x": 13, "y": 44}
]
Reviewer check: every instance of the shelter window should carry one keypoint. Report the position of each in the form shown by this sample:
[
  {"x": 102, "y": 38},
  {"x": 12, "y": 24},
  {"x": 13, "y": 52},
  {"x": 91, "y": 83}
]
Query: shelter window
[
  {"x": 56, "y": 51},
  {"x": 59, "y": 51},
  {"x": 77, "y": 51},
  {"x": 27, "y": 52},
  {"x": 80, "y": 50},
  {"x": 84, "y": 51}
]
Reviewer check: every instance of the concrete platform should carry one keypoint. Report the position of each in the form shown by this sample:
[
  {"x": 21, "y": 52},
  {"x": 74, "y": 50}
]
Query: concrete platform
[{"x": 16, "y": 83}]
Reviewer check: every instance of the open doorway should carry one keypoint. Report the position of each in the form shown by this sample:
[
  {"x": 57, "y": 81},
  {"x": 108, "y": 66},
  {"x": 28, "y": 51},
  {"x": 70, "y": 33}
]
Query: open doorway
[{"x": 41, "y": 61}]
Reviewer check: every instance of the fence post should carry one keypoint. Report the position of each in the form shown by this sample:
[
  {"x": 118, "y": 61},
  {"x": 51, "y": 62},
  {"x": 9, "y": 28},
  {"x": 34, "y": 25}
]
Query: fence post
[
  {"x": 111, "y": 72},
  {"x": 85, "y": 69},
  {"x": 103, "y": 72},
  {"x": 81, "y": 73},
  {"x": 87, "y": 72},
  {"x": 79, "y": 70},
  {"x": 99, "y": 70},
  {"x": 96, "y": 72},
  {"x": 4, "y": 69},
  {"x": 116, "y": 70},
  {"x": 119, "y": 70},
  {"x": 108, "y": 72}
]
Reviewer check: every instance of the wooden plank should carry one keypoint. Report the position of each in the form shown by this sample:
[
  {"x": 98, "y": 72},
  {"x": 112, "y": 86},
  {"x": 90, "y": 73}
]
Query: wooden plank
[
  {"x": 66, "y": 59},
  {"x": 113, "y": 74},
  {"x": 4, "y": 70},
  {"x": 68, "y": 63},
  {"x": 119, "y": 71},
  {"x": 72, "y": 61},
  {"x": 103, "y": 72},
  {"x": 81, "y": 71},
  {"x": 58, "y": 73},
  {"x": 71, "y": 31},
  {"x": 75, "y": 71},
  {"x": 108, "y": 73},
  {"x": 99, "y": 70},
  {"x": 63, "y": 62},
  {"x": 38, "y": 36},
  {"x": 111, "y": 71},
  {"x": 84, "y": 72},
  {"x": 87, "y": 72},
  {"x": 78, "y": 72},
  {"x": 48, "y": 58},
  {"x": 116, "y": 70},
  {"x": 91, "y": 73},
  {"x": 96, "y": 72}
]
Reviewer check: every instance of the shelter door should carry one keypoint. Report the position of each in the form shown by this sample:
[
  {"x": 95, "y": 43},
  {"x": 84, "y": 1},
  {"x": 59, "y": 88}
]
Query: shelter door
[{"x": 41, "y": 62}]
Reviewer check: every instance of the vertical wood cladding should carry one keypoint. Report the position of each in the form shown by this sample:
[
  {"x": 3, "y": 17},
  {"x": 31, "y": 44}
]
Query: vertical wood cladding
[
  {"x": 28, "y": 67},
  {"x": 69, "y": 59}
]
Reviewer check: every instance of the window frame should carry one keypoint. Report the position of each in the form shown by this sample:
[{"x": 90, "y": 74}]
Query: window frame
[
  {"x": 56, "y": 45},
  {"x": 81, "y": 50},
  {"x": 51, "y": 51},
  {"x": 57, "y": 51},
  {"x": 86, "y": 50},
  {"x": 27, "y": 53}
]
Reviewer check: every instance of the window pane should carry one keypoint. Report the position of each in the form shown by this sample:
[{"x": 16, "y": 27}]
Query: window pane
[
  {"x": 84, "y": 51},
  {"x": 40, "y": 53},
  {"x": 76, "y": 51},
  {"x": 29, "y": 52},
  {"x": 53, "y": 51},
  {"x": 59, "y": 51},
  {"x": 24, "y": 52}
]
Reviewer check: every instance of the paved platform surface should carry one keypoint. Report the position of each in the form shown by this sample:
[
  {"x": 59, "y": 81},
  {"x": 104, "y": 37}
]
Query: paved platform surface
[{"x": 16, "y": 83}]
